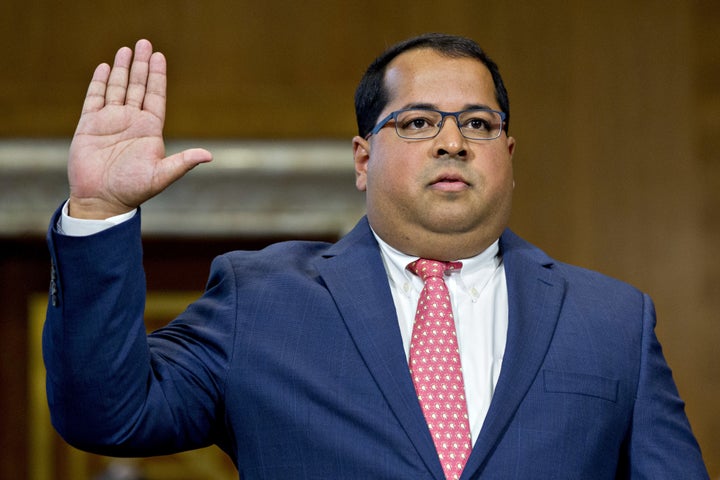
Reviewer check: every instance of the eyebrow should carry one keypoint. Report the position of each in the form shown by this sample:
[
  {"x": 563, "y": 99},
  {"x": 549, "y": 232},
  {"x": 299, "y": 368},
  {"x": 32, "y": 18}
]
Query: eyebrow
[{"x": 431, "y": 106}]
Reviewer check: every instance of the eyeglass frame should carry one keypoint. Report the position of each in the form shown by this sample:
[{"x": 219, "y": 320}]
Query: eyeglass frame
[{"x": 393, "y": 116}]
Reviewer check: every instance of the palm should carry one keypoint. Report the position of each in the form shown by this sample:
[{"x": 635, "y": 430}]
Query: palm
[
  {"x": 117, "y": 156},
  {"x": 114, "y": 155}
]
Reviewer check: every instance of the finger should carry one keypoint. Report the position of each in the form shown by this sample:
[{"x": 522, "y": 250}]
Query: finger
[
  {"x": 194, "y": 156},
  {"x": 139, "y": 74},
  {"x": 155, "y": 96},
  {"x": 188, "y": 159},
  {"x": 177, "y": 165},
  {"x": 117, "y": 82},
  {"x": 95, "y": 97}
]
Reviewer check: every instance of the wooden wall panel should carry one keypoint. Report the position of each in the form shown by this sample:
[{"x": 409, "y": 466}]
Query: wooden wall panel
[
  {"x": 237, "y": 68},
  {"x": 704, "y": 332}
]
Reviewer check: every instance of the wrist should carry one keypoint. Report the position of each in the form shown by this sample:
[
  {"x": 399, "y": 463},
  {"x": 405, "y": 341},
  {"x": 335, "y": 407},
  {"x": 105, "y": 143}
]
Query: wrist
[{"x": 94, "y": 209}]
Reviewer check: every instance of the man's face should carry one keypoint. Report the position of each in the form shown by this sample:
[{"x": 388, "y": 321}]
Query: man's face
[{"x": 447, "y": 190}]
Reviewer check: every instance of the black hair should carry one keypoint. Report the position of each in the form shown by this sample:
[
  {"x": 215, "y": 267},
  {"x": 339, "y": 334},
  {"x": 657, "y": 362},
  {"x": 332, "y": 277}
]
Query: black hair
[{"x": 371, "y": 96}]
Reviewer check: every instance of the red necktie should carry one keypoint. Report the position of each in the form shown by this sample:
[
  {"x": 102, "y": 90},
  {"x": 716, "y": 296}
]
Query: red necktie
[{"x": 436, "y": 370}]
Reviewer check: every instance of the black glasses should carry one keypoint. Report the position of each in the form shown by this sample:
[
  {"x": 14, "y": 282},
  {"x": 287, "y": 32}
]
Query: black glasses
[{"x": 425, "y": 123}]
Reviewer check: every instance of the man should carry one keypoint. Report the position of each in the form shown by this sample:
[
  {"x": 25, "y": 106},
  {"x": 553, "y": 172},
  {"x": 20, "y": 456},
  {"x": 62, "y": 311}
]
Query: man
[{"x": 307, "y": 360}]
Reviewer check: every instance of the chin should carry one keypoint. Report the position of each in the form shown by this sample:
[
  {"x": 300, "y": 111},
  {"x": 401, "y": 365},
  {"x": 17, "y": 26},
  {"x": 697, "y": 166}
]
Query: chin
[{"x": 452, "y": 226}]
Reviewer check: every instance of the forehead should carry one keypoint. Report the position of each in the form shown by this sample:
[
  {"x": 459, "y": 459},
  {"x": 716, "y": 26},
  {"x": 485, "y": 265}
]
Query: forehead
[{"x": 424, "y": 76}]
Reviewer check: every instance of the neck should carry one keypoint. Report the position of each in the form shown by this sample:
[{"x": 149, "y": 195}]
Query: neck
[{"x": 445, "y": 247}]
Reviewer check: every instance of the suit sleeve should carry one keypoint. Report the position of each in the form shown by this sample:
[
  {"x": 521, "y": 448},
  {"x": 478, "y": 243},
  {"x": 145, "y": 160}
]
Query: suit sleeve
[
  {"x": 661, "y": 444},
  {"x": 112, "y": 389}
]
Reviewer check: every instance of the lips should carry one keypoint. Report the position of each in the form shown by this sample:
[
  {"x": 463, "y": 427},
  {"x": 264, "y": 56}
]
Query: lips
[{"x": 449, "y": 182}]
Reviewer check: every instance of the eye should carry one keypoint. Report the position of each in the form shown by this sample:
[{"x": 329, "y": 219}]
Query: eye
[
  {"x": 416, "y": 121},
  {"x": 477, "y": 122}
]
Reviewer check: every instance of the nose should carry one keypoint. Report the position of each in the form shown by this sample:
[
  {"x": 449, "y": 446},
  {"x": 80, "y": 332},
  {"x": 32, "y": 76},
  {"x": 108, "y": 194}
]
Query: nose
[{"x": 450, "y": 141}]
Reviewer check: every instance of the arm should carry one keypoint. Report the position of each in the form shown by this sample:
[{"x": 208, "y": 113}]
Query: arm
[
  {"x": 661, "y": 443},
  {"x": 108, "y": 392},
  {"x": 112, "y": 389}
]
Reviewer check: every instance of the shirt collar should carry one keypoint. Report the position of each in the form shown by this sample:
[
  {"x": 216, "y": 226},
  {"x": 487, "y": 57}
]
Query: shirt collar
[{"x": 473, "y": 271}]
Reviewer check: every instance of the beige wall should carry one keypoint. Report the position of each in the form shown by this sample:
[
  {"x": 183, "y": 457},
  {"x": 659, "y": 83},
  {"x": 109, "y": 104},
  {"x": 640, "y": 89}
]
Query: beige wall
[{"x": 615, "y": 106}]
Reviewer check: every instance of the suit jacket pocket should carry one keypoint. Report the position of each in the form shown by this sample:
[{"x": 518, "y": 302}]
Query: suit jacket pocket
[{"x": 580, "y": 384}]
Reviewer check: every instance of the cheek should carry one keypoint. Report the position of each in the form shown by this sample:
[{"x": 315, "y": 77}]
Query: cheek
[
  {"x": 381, "y": 169},
  {"x": 395, "y": 171},
  {"x": 503, "y": 182},
  {"x": 494, "y": 179},
  {"x": 388, "y": 177},
  {"x": 500, "y": 168},
  {"x": 376, "y": 177}
]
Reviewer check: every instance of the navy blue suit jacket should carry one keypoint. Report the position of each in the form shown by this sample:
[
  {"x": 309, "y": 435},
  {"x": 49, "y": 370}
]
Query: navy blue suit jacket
[{"x": 292, "y": 362}]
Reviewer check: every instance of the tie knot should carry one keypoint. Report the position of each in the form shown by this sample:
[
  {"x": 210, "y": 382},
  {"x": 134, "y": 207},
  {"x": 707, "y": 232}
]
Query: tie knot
[{"x": 425, "y": 268}]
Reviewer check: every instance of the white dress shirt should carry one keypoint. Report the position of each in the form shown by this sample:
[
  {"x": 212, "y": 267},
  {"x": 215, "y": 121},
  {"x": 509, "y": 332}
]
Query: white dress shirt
[
  {"x": 79, "y": 227},
  {"x": 478, "y": 292}
]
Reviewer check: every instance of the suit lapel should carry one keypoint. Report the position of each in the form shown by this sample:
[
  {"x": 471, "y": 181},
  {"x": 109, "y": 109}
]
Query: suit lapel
[
  {"x": 535, "y": 296},
  {"x": 355, "y": 276}
]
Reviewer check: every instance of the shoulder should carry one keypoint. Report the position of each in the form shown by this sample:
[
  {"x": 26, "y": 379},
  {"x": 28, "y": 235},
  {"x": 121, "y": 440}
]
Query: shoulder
[
  {"x": 606, "y": 309},
  {"x": 521, "y": 256},
  {"x": 278, "y": 257},
  {"x": 304, "y": 257}
]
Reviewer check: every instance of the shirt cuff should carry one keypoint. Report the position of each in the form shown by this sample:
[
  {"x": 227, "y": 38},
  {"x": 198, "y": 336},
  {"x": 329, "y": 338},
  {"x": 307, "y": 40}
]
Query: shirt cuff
[{"x": 78, "y": 227}]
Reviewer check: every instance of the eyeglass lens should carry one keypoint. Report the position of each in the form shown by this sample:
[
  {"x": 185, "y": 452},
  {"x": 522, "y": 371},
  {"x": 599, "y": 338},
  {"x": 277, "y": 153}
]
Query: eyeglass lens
[{"x": 475, "y": 124}]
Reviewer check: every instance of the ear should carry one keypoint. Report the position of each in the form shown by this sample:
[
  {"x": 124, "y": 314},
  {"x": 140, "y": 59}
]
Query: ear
[
  {"x": 511, "y": 151},
  {"x": 361, "y": 156},
  {"x": 511, "y": 146}
]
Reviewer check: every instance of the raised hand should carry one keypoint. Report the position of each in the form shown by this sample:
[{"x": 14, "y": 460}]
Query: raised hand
[{"x": 117, "y": 156}]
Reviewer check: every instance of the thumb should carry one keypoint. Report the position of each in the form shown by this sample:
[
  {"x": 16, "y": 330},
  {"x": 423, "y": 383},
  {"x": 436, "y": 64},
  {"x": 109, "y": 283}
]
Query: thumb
[
  {"x": 175, "y": 166},
  {"x": 192, "y": 157}
]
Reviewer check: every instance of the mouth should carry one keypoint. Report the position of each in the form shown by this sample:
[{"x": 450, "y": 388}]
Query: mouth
[{"x": 449, "y": 183}]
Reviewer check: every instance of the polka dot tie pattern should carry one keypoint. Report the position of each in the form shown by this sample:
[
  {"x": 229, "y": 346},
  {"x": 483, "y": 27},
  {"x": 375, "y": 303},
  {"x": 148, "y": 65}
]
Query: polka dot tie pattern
[{"x": 436, "y": 370}]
